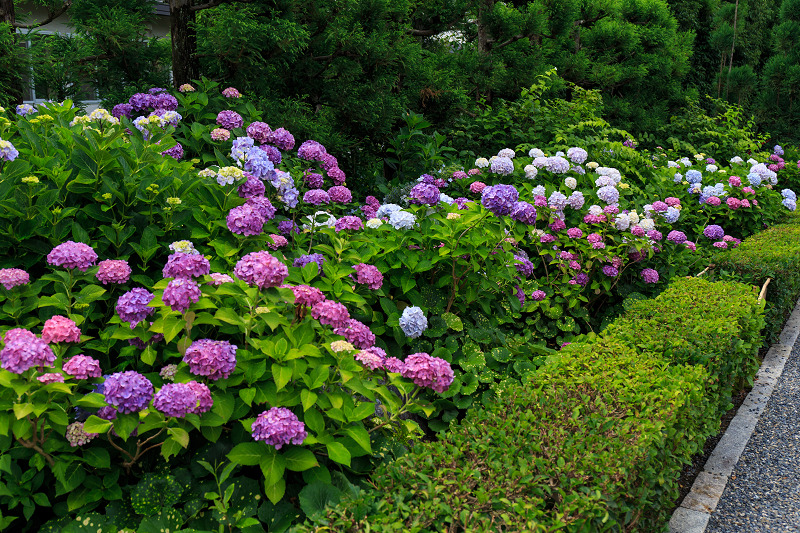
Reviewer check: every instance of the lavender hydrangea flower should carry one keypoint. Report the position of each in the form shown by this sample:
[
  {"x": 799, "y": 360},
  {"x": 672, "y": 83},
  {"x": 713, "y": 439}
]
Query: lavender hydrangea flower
[
  {"x": 176, "y": 152},
  {"x": 259, "y": 131},
  {"x": 557, "y": 165},
  {"x": 180, "y": 293},
  {"x": 502, "y": 165},
  {"x": 210, "y": 358},
  {"x": 7, "y": 151},
  {"x": 245, "y": 220},
  {"x": 524, "y": 266},
  {"x": 424, "y": 193},
  {"x": 231, "y": 92},
  {"x": 24, "y": 350},
  {"x": 282, "y": 139},
  {"x": 427, "y": 371},
  {"x": 129, "y": 392},
  {"x": 273, "y": 154},
  {"x": 230, "y": 119},
  {"x": 13, "y": 277},
  {"x": 608, "y": 194},
  {"x": 258, "y": 163},
  {"x": 499, "y": 199},
  {"x": 524, "y": 212},
  {"x": 204, "y": 400},
  {"x": 277, "y": 427},
  {"x": 677, "y": 237},
  {"x": 577, "y": 155},
  {"x": 316, "y": 197},
  {"x": 262, "y": 205},
  {"x": 176, "y": 400},
  {"x": 122, "y": 110},
  {"x": 303, "y": 260},
  {"x": 133, "y": 306},
  {"x": 538, "y": 295},
  {"x": 413, "y": 322},
  {"x": 576, "y": 200},
  {"x": 713, "y": 232},
  {"x": 649, "y": 275},
  {"x": 402, "y": 220},
  {"x": 72, "y": 255},
  {"x": 180, "y": 265}
]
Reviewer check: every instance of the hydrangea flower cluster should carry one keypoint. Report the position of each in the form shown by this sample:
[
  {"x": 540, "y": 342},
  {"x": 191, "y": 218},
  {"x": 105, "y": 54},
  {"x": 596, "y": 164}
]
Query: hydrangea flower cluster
[
  {"x": 180, "y": 293},
  {"x": 307, "y": 295},
  {"x": 500, "y": 199},
  {"x": 175, "y": 399},
  {"x": 260, "y": 269},
  {"x": 24, "y": 350},
  {"x": 72, "y": 255},
  {"x": 13, "y": 277},
  {"x": 413, "y": 322},
  {"x": 277, "y": 427},
  {"x": 128, "y": 391},
  {"x": 245, "y": 220},
  {"x": 357, "y": 333},
  {"x": 330, "y": 313},
  {"x": 60, "y": 329},
  {"x": 427, "y": 371},
  {"x": 133, "y": 306},
  {"x": 214, "y": 359},
  {"x": 76, "y": 436},
  {"x": 113, "y": 271},
  {"x": 182, "y": 265},
  {"x": 229, "y": 119},
  {"x": 368, "y": 275},
  {"x": 7, "y": 151},
  {"x": 349, "y": 222},
  {"x": 83, "y": 367}
]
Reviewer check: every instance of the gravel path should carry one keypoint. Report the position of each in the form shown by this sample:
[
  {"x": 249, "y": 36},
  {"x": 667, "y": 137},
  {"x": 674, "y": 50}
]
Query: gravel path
[{"x": 763, "y": 494}]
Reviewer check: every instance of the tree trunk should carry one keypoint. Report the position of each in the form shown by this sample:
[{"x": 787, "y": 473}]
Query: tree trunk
[
  {"x": 733, "y": 44},
  {"x": 8, "y": 16},
  {"x": 185, "y": 65}
]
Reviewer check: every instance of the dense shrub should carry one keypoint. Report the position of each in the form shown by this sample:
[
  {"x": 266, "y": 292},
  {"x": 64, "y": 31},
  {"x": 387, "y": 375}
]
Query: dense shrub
[{"x": 593, "y": 441}]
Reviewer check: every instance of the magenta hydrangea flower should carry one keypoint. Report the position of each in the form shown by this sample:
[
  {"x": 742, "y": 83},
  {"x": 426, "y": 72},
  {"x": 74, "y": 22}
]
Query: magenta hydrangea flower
[
  {"x": 311, "y": 151},
  {"x": 427, "y": 371},
  {"x": 60, "y": 329},
  {"x": 477, "y": 187},
  {"x": 558, "y": 224},
  {"x": 175, "y": 399},
  {"x": 13, "y": 277},
  {"x": 721, "y": 245},
  {"x": 279, "y": 426},
  {"x": 245, "y": 220},
  {"x": 678, "y": 237},
  {"x": 340, "y": 194},
  {"x": 83, "y": 367},
  {"x": 259, "y": 131},
  {"x": 262, "y": 205},
  {"x": 424, "y": 193},
  {"x": 713, "y": 200},
  {"x": 610, "y": 271},
  {"x": 230, "y": 119},
  {"x": 282, "y": 139},
  {"x": 524, "y": 212},
  {"x": 182, "y": 265},
  {"x": 357, "y": 333},
  {"x": 252, "y": 187},
  {"x": 231, "y": 92},
  {"x": 649, "y": 275},
  {"x": 180, "y": 293},
  {"x": 72, "y": 255},
  {"x": 638, "y": 231},
  {"x": 278, "y": 241},
  {"x": 51, "y": 377},
  {"x": 654, "y": 235},
  {"x": 733, "y": 203},
  {"x": 132, "y": 306},
  {"x": 349, "y": 222},
  {"x": 260, "y": 269},
  {"x": 328, "y": 162},
  {"x": 204, "y": 400},
  {"x": 307, "y": 295},
  {"x": 394, "y": 365},
  {"x": 313, "y": 180},
  {"x": 330, "y": 313},
  {"x": 129, "y": 391},
  {"x": 368, "y": 275},
  {"x": 24, "y": 350},
  {"x": 574, "y": 233},
  {"x": 214, "y": 359},
  {"x": 218, "y": 279},
  {"x": 113, "y": 271},
  {"x": 316, "y": 197}
]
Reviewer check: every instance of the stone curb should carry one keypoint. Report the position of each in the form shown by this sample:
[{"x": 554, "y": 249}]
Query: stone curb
[{"x": 695, "y": 510}]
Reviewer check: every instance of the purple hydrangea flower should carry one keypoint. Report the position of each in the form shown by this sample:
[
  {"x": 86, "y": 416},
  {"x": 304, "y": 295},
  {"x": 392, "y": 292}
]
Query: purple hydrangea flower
[
  {"x": 282, "y": 139},
  {"x": 231, "y": 92},
  {"x": 523, "y": 266},
  {"x": 349, "y": 222},
  {"x": 538, "y": 295},
  {"x": 24, "y": 350},
  {"x": 175, "y": 399},
  {"x": 413, "y": 322},
  {"x": 557, "y": 165},
  {"x": 313, "y": 180},
  {"x": 7, "y": 151},
  {"x": 214, "y": 359},
  {"x": 369, "y": 360},
  {"x": 180, "y": 293},
  {"x": 72, "y": 255},
  {"x": 303, "y": 260},
  {"x": 132, "y": 306},
  {"x": 330, "y": 313},
  {"x": 261, "y": 269},
  {"x": 677, "y": 237},
  {"x": 609, "y": 194},
  {"x": 574, "y": 233},
  {"x": 427, "y": 371},
  {"x": 499, "y": 199},
  {"x": 129, "y": 391},
  {"x": 649, "y": 275},
  {"x": 368, "y": 275},
  {"x": 307, "y": 295},
  {"x": 424, "y": 193},
  {"x": 357, "y": 333},
  {"x": 524, "y": 212},
  {"x": 122, "y": 110},
  {"x": 176, "y": 152},
  {"x": 259, "y": 131},
  {"x": 713, "y": 232},
  {"x": 245, "y": 220},
  {"x": 273, "y": 154},
  {"x": 311, "y": 151},
  {"x": 204, "y": 400},
  {"x": 286, "y": 227},
  {"x": 141, "y": 101},
  {"x": 252, "y": 187},
  {"x": 181, "y": 265},
  {"x": 230, "y": 119},
  {"x": 316, "y": 197},
  {"x": 262, "y": 205},
  {"x": 277, "y": 427},
  {"x": 341, "y": 194},
  {"x": 13, "y": 277}
]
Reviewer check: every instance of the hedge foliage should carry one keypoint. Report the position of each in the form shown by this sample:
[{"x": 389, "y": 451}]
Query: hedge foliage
[
  {"x": 773, "y": 253},
  {"x": 593, "y": 441}
]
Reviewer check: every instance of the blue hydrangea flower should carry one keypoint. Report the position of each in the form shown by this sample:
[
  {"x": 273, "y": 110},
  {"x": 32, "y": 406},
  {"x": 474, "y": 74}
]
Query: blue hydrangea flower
[
  {"x": 694, "y": 176},
  {"x": 387, "y": 209},
  {"x": 402, "y": 220},
  {"x": 258, "y": 162},
  {"x": 788, "y": 193},
  {"x": 754, "y": 179},
  {"x": 413, "y": 322},
  {"x": 671, "y": 215},
  {"x": 241, "y": 145}
]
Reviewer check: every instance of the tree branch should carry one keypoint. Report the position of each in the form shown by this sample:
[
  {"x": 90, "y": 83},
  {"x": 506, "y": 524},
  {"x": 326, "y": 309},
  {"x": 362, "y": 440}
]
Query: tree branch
[{"x": 51, "y": 16}]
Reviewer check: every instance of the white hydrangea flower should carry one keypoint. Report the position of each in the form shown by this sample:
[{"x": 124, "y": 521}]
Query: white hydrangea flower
[
  {"x": 481, "y": 162},
  {"x": 571, "y": 183},
  {"x": 535, "y": 152},
  {"x": 647, "y": 224}
]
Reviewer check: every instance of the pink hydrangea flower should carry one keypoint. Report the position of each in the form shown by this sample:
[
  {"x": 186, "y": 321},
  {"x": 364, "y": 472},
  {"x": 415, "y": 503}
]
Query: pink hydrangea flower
[
  {"x": 181, "y": 293},
  {"x": 72, "y": 255},
  {"x": 260, "y": 269},
  {"x": 330, "y": 313},
  {"x": 427, "y": 371},
  {"x": 277, "y": 427},
  {"x": 83, "y": 367},
  {"x": 12, "y": 277},
  {"x": 60, "y": 329},
  {"x": 368, "y": 275},
  {"x": 214, "y": 359},
  {"x": 113, "y": 271}
]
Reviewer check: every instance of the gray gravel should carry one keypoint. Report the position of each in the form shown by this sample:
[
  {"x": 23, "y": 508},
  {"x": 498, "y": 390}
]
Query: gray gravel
[{"x": 763, "y": 493}]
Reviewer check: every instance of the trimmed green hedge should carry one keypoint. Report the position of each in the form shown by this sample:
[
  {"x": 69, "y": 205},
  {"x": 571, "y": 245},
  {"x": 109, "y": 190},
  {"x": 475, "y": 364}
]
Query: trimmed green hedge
[
  {"x": 773, "y": 253},
  {"x": 593, "y": 441}
]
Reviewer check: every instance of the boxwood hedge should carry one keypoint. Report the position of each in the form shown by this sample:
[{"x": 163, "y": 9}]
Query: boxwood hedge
[{"x": 593, "y": 441}]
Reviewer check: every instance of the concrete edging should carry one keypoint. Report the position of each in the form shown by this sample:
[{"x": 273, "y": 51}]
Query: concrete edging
[{"x": 695, "y": 510}]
